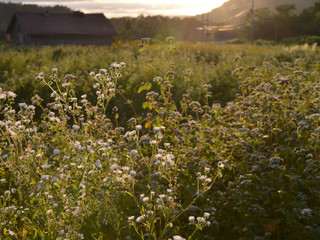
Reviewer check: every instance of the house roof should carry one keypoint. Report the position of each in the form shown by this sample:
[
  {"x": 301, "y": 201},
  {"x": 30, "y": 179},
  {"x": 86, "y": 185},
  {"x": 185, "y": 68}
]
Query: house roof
[{"x": 76, "y": 23}]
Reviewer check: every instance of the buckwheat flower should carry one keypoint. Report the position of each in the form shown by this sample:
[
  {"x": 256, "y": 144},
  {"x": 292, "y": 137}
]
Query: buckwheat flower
[
  {"x": 208, "y": 223},
  {"x": 306, "y": 212},
  {"x": 13, "y": 190},
  {"x": 177, "y": 237},
  {"x": 167, "y": 144},
  {"x": 138, "y": 127},
  {"x": 206, "y": 215},
  {"x": 126, "y": 169},
  {"x": 206, "y": 169},
  {"x": 54, "y": 70},
  {"x": 11, "y": 94},
  {"x": 92, "y": 74},
  {"x": 133, "y": 152},
  {"x": 11, "y": 232},
  {"x": 55, "y": 205},
  {"x": 200, "y": 219},
  {"x": 115, "y": 65},
  {"x": 56, "y": 151},
  {"x": 97, "y": 85},
  {"x": 131, "y": 218},
  {"x": 132, "y": 133},
  {"x": 61, "y": 232},
  {"x": 23, "y": 105},
  {"x": 169, "y": 190},
  {"x": 208, "y": 180},
  {"x": 145, "y": 199},
  {"x": 191, "y": 219},
  {"x": 46, "y": 166},
  {"x": 3, "y": 180},
  {"x": 123, "y": 64},
  {"x": 75, "y": 127},
  {"x": 7, "y": 193},
  {"x": 103, "y": 71},
  {"x": 156, "y": 129},
  {"x": 132, "y": 173},
  {"x": 98, "y": 164},
  {"x": 152, "y": 193},
  {"x": 45, "y": 177},
  {"x": 3, "y": 96},
  {"x": 114, "y": 166},
  {"x": 139, "y": 219},
  {"x": 49, "y": 212}
]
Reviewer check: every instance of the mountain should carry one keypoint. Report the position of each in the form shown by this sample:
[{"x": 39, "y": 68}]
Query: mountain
[{"x": 233, "y": 10}]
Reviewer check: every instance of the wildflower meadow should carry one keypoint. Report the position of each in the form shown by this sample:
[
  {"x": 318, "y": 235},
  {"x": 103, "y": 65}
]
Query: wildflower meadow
[{"x": 160, "y": 141}]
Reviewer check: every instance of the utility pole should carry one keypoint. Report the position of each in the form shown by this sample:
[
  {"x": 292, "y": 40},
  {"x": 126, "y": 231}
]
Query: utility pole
[
  {"x": 202, "y": 37},
  {"x": 252, "y": 19}
]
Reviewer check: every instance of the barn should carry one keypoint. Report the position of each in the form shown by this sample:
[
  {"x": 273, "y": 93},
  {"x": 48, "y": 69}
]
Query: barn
[{"x": 44, "y": 28}]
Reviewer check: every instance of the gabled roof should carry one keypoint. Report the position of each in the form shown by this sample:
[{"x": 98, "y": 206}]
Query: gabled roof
[{"x": 76, "y": 23}]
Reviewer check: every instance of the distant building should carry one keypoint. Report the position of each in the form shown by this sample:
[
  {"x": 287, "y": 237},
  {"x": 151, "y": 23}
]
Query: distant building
[{"x": 54, "y": 29}]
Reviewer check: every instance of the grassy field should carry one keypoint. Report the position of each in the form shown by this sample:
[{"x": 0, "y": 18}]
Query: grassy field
[{"x": 160, "y": 141}]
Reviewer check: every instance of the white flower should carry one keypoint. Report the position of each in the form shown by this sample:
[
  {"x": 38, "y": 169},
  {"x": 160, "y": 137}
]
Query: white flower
[
  {"x": 203, "y": 177},
  {"x": 45, "y": 177},
  {"x": 3, "y": 180},
  {"x": 145, "y": 199},
  {"x": 56, "y": 151},
  {"x": 139, "y": 219},
  {"x": 156, "y": 129},
  {"x": 133, "y": 152},
  {"x": 98, "y": 164},
  {"x": 54, "y": 70},
  {"x": 200, "y": 219},
  {"x": 114, "y": 166},
  {"x": 131, "y": 218},
  {"x": 191, "y": 219},
  {"x": 138, "y": 127},
  {"x": 11, "y": 232},
  {"x": 167, "y": 144},
  {"x": 61, "y": 232},
  {"x": 75, "y": 127},
  {"x": 206, "y": 215},
  {"x": 11, "y": 94},
  {"x": 176, "y": 237},
  {"x": 46, "y": 166}
]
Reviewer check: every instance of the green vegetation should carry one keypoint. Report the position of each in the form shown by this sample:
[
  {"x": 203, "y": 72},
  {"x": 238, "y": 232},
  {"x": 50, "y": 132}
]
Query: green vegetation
[
  {"x": 285, "y": 25},
  {"x": 216, "y": 142}
]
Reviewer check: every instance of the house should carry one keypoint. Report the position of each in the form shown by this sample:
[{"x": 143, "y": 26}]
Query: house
[{"x": 54, "y": 29}]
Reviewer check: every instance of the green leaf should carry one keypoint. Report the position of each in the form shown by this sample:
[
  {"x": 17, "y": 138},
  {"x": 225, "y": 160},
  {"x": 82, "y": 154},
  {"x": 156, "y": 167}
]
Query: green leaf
[
  {"x": 146, "y": 87},
  {"x": 147, "y": 105}
]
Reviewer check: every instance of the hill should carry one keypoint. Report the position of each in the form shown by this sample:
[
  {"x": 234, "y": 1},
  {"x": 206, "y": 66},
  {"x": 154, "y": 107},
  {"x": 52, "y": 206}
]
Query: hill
[{"x": 233, "y": 10}]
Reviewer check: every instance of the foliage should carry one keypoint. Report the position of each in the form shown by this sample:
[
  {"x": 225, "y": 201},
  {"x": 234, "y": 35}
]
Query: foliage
[
  {"x": 283, "y": 23},
  {"x": 247, "y": 170}
]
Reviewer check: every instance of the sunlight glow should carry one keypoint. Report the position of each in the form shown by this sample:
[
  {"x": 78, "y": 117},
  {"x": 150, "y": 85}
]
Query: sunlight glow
[{"x": 133, "y": 8}]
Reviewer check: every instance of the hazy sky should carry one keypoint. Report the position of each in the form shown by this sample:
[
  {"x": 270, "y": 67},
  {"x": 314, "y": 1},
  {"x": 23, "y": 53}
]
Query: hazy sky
[{"x": 119, "y": 8}]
